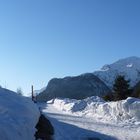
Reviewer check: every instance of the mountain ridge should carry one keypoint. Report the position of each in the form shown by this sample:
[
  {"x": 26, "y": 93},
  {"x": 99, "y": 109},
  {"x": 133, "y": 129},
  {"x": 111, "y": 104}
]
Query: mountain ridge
[
  {"x": 128, "y": 67},
  {"x": 77, "y": 87}
]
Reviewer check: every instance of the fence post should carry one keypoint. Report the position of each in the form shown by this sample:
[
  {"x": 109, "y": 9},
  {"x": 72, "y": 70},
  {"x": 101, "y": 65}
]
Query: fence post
[{"x": 32, "y": 88}]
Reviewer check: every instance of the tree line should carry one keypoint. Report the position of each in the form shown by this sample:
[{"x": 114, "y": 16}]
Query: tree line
[{"x": 122, "y": 90}]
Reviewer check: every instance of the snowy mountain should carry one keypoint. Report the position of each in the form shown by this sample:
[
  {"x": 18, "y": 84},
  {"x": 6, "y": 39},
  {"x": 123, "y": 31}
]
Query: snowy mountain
[
  {"x": 18, "y": 116},
  {"x": 78, "y": 87},
  {"x": 129, "y": 67},
  {"x": 97, "y": 83}
]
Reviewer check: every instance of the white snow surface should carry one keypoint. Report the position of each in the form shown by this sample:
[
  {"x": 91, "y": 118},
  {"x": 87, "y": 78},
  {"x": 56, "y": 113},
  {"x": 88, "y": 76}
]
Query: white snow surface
[
  {"x": 94, "y": 107},
  {"x": 129, "y": 67},
  {"x": 73, "y": 105},
  {"x": 94, "y": 118},
  {"x": 18, "y": 116}
]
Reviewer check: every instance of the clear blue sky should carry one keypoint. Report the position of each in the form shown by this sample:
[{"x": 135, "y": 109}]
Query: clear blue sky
[{"x": 42, "y": 39}]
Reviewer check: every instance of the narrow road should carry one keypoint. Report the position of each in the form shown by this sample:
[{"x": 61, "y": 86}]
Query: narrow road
[{"x": 70, "y": 127}]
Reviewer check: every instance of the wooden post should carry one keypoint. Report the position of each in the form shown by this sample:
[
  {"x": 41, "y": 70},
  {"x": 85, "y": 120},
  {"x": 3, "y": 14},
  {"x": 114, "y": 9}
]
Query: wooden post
[
  {"x": 32, "y": 88},
  {"x": 33, "y": 96}
]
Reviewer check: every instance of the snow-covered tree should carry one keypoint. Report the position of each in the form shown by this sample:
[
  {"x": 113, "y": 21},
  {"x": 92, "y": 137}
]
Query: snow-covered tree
[{"x": 19, "y": 91}]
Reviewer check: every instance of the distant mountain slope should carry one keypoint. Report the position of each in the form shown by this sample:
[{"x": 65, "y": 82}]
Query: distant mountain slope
[
  {"x": 129, "y": 67},
  {"x": 36, "y": 92},
  {"x": 93, "y": 84},
  {"x": 78, "y": 87}
]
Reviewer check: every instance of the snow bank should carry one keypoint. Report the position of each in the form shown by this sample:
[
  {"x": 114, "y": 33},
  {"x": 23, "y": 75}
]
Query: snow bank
[
  {"x": 95, "y": 107},
  {"x": 18, "y": 116},
  {"x": 119, "y": 111},
  {"x": 73, "y": 105}
]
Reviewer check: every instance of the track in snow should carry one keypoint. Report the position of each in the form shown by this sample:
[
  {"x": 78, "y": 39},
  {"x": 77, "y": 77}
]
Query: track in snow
[{"x": 70, "y": 127}]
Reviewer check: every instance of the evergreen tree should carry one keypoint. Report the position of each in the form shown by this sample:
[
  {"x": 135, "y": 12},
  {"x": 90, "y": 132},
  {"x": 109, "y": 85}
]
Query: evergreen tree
[
  {"x": 136, "y": 92},
  {"x": 121, "y": 88}
]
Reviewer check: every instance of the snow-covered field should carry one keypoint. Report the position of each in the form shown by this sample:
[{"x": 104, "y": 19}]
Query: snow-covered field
[
  {"x": 18, "y": 116},
  {"x": 93, "y": 117}
]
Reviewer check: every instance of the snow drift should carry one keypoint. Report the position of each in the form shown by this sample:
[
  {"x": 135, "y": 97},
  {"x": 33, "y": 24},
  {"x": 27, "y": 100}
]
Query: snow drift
[
  {"x": 18, "y": 116},
  {"x": 95, "y": 107}
]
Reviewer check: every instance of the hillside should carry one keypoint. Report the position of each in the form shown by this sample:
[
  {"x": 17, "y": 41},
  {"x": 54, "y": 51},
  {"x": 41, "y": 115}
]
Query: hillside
[{"x": 78, "y": 87}]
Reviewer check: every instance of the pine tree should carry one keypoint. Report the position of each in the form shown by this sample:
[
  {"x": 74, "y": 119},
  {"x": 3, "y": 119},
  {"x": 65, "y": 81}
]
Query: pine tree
[
  {"x": 136, "y": 92},
  {"x": 121, "y": 88}
]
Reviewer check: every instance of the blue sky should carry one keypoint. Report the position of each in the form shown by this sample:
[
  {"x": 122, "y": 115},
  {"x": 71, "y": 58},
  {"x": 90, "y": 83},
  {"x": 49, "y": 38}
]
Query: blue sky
[{"x": 42, "y": 39}]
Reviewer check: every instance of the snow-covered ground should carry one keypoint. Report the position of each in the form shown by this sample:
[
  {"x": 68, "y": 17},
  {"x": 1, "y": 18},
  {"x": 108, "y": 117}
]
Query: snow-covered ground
[
  {"x": 92, "y": 117},
  {"x": 94, "y": 107},
  {"x": 18, "y": 116}
]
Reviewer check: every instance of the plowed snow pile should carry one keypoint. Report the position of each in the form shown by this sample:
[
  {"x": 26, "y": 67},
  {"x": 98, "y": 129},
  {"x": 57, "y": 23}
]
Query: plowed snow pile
[
  {"x": 95, "y": 107},
  {"x": 18, "y": 116}
]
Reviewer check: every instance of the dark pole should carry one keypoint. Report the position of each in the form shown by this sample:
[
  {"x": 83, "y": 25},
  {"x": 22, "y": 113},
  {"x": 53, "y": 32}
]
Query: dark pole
[{"x": 32, "y": 93}]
